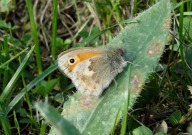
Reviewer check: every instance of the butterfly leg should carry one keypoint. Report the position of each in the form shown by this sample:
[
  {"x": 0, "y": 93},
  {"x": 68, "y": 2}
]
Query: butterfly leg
[{"x": 115, "y": 83}]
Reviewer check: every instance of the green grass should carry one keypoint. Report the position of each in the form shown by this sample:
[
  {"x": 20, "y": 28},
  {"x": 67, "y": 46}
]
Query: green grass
[
  {"x": 54, "y": 30},
  {"x": 28, "y": 76},
  {"x": 35, "y": 35}
]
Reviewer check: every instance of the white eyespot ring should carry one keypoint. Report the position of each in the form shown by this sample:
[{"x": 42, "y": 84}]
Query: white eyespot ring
[{"x": 71, "y": 61}]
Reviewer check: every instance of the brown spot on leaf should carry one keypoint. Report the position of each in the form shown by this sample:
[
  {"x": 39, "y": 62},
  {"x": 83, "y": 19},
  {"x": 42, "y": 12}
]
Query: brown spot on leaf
[
  {"x": 155, "y": 49},
  {"x": 166, "y": 23},
  {"x": 136, "y": 83},
  {"x": 87, "y": 102}
]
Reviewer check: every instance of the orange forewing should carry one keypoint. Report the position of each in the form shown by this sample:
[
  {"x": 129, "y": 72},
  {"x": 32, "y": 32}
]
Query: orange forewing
[{"x": 83, "y": 56}]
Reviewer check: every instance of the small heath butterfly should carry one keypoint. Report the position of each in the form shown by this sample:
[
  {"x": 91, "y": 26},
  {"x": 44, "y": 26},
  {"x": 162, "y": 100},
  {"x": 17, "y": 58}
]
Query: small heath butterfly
[{"x": 91, "y": 69}]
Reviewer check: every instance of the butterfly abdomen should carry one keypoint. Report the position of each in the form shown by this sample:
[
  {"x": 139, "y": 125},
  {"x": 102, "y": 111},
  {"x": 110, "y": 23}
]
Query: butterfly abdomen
[{"x": 116, "y": 58}]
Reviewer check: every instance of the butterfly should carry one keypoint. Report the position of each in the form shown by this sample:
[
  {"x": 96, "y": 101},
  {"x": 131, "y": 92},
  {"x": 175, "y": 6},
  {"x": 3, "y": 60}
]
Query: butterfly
[{"x": 92, "y": 69}]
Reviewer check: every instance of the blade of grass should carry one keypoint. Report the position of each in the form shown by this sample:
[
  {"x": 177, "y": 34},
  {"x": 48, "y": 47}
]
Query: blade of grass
[
  {"x": 33, "y": 121},
  {"x": 135, "y": 8},
  {"x": 6, "y": 48},
  {"x": 77, "y": 13},
  {"x": 181, "y": 47},
  {"x": 35, "y": 35},
  {"x": 8, "y": 89},
  {"x": 54, "y": 29},
  {"x": 63, "y": 127},
  {"x": 94, "y": 36},
  {"x": 115, "y": 123},
  {"x": 5, "y": 72},
  {"x": 5, "y": 78},
  {"x": 180, "y": 3},
  {"x": 126, "y": 104},
  {"x": 1, "y": 58},
  {"x": 16, "y": 123},
  {"x": 4, "y": 122},
  {"x": 43, "y": 128},
  {"x": 14, "y": 57},
  {"x": 49, "y": 70}
]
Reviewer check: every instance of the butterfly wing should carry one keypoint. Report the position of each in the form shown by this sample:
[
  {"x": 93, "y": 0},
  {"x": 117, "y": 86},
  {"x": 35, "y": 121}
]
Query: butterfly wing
[{"x": 91, "y": 76}]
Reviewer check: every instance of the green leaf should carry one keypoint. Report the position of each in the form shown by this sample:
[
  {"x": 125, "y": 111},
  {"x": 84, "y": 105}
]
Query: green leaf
[
  {"x": 160, "y": 133},
  {"x": 59, "y": 42},
  {"x": 144, "y": 43},
  {"x": 188, "y": 60},
  {"x": 187, "y": 24},
  {"x": 62, "y": 126},
  {"x": 175, "y": 117},
  {"x": 7, "y": 25},
  {"x": 4, "y": 25},
  {"x": 7, "y": 5},
  {"x": 22, "y": 112},
  {"x": 45, "y": 87},
  {"x": 132, "y": 124},
  {"x": 142, "y": 130}
]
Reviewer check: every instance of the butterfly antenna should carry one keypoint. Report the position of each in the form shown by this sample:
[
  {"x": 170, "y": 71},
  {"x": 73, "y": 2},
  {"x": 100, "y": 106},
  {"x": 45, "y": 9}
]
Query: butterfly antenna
[{"x": 131, "y": 63}]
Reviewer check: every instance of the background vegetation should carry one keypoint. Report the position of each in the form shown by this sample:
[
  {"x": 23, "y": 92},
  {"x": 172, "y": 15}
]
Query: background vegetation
[{"x": 32, "y": 34}]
